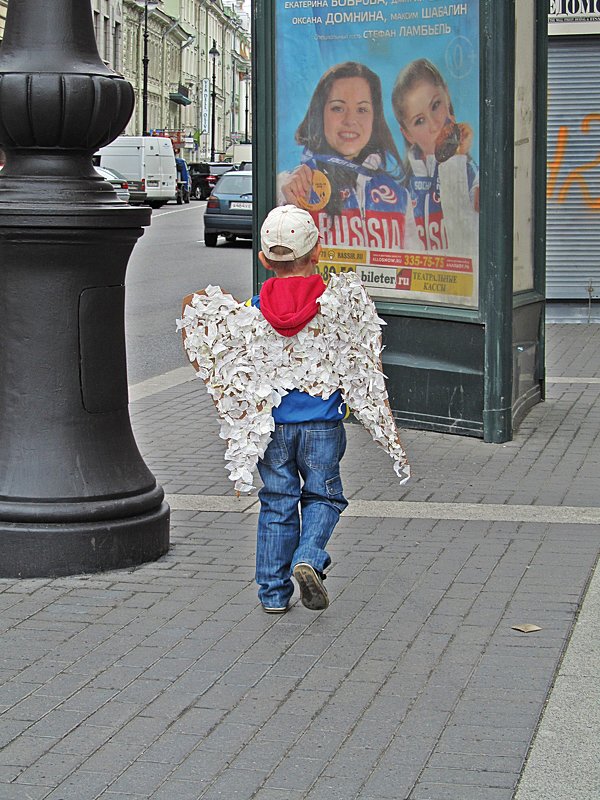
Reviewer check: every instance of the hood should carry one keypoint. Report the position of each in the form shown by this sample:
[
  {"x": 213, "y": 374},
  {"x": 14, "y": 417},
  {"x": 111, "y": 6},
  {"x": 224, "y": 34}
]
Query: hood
[{"x": 289, "y": 304}]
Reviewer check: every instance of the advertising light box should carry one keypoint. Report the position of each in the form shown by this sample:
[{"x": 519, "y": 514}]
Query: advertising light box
[{"x": 377, "y": 112}]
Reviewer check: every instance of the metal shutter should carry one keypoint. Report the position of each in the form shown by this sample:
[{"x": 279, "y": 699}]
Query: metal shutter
[{"x": 573, "y": 222}]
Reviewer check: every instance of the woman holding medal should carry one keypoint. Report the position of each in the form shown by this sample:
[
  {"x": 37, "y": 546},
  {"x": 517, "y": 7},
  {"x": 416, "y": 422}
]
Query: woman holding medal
[
  {"x": 349, "y": 177},
  {"x": 443, "y": 178}
]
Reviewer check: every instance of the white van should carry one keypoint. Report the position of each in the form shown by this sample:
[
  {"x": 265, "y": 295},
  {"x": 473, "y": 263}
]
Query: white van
[
  {"x": 148, "y": 163},
  {"x": 242, "y": 154}
]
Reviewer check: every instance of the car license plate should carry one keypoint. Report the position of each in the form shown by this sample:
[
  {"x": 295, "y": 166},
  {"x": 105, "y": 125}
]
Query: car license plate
[{"x": 236, "y": 204}]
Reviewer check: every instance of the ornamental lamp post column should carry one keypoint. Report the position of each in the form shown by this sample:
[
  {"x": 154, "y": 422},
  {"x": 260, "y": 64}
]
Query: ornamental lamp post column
[
  {"x": 75, "y": 493},
  {"x": 247, "y": 79},
  {"x": 147, "y": 5},
  {"x": 214, "y": 54}
]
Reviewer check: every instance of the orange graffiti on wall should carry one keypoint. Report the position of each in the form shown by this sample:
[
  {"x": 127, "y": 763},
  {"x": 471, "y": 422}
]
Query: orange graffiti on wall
[{"x": 577, "y": 177}]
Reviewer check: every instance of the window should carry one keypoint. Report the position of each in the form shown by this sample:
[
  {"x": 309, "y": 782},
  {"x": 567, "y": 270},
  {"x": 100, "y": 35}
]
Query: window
[
  {"x": 235, "y": 184},
  {"x": 107, "y": 40},
  {"x": 117, "y": 37}
]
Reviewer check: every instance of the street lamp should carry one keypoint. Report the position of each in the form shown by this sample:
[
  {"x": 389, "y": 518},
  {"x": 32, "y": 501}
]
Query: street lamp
[
  {"x": 146, "y": 5},
  {"x": 246, "y": 81},
  {"x": 214, "y": 54}
]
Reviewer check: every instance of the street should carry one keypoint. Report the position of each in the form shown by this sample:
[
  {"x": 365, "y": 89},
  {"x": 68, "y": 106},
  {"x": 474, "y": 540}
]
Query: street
[
  {"x": 169, "y": 261},
  {"x": 168, "y": 681}
]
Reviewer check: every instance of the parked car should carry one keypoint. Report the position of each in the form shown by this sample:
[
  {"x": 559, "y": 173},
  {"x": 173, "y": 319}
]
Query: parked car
[
  {"x": 205, "y": 175},
  {"x": 202, "y": 181},
  {"x": 184, "y": 182},
  {"x": 118, "y": 181},
  {"x": 137, "y": 189},
  {"x": 228, "y": 212}
]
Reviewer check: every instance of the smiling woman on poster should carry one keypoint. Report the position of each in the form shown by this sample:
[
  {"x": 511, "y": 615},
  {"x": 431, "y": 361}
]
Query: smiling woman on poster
[{"x": 349, "y": 178}]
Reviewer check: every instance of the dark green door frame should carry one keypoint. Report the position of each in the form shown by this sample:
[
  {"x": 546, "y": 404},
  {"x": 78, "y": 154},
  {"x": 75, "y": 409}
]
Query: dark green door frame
[
  {"x": 263, "y": 121},
  {"x": 497, "y": 82}
]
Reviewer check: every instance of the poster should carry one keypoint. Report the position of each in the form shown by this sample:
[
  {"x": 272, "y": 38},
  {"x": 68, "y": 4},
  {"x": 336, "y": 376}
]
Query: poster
[
  {"x": 378, "y": 137},
  {"x": 568, "y": 17}
]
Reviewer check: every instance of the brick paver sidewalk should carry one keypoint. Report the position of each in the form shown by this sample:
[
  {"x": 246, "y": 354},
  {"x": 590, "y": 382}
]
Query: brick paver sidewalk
[{"x": 168, "y": 682}]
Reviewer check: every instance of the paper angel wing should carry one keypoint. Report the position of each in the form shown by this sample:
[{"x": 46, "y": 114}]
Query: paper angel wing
[
  {"x": 223, "y": 341},
  {"x": 353, "y": 317}
]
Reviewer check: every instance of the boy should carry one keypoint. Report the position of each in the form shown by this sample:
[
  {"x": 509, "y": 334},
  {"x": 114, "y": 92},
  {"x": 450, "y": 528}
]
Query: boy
[
  {"x": 309, "y": 438},
  {"x": 276, "y": 368}
]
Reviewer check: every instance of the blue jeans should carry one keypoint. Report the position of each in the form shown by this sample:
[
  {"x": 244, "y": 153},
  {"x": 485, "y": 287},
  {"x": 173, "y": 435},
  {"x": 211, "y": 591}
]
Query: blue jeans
[{"x": 301, "y": 473}]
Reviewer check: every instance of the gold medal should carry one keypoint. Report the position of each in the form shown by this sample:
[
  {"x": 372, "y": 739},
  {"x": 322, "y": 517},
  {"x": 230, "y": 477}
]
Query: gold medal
[
  {"x": 320, "y": 192},
  {"x": 448, "y": 142}
]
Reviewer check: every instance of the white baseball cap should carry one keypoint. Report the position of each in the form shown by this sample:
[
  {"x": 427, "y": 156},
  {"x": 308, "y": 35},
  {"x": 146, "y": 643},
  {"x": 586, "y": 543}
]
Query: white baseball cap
[{"x": 288, "y": 226}]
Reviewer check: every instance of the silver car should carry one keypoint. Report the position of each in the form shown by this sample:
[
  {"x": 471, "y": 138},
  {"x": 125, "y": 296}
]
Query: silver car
[{"x": 118, "y": 181}]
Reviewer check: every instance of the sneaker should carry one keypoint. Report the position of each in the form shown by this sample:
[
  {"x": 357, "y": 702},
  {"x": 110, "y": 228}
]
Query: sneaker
[
  {"x": 274, "y": 609},
  {"x": 313, "y": 593}
]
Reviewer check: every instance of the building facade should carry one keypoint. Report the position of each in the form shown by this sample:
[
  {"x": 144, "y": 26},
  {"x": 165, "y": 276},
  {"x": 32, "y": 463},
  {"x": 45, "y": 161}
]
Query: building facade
[
  {"x": 198, "y": 63},
  {"x": 108, "y": 28}
]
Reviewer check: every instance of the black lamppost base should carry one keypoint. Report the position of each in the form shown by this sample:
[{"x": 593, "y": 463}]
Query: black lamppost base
[
  {"x": 75, "y": 493},
  {"x": 52, "y": 551}
]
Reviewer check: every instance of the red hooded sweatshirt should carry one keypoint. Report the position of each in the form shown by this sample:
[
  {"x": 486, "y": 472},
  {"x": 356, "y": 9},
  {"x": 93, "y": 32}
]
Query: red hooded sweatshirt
[{"x": 289, "y": 304}]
